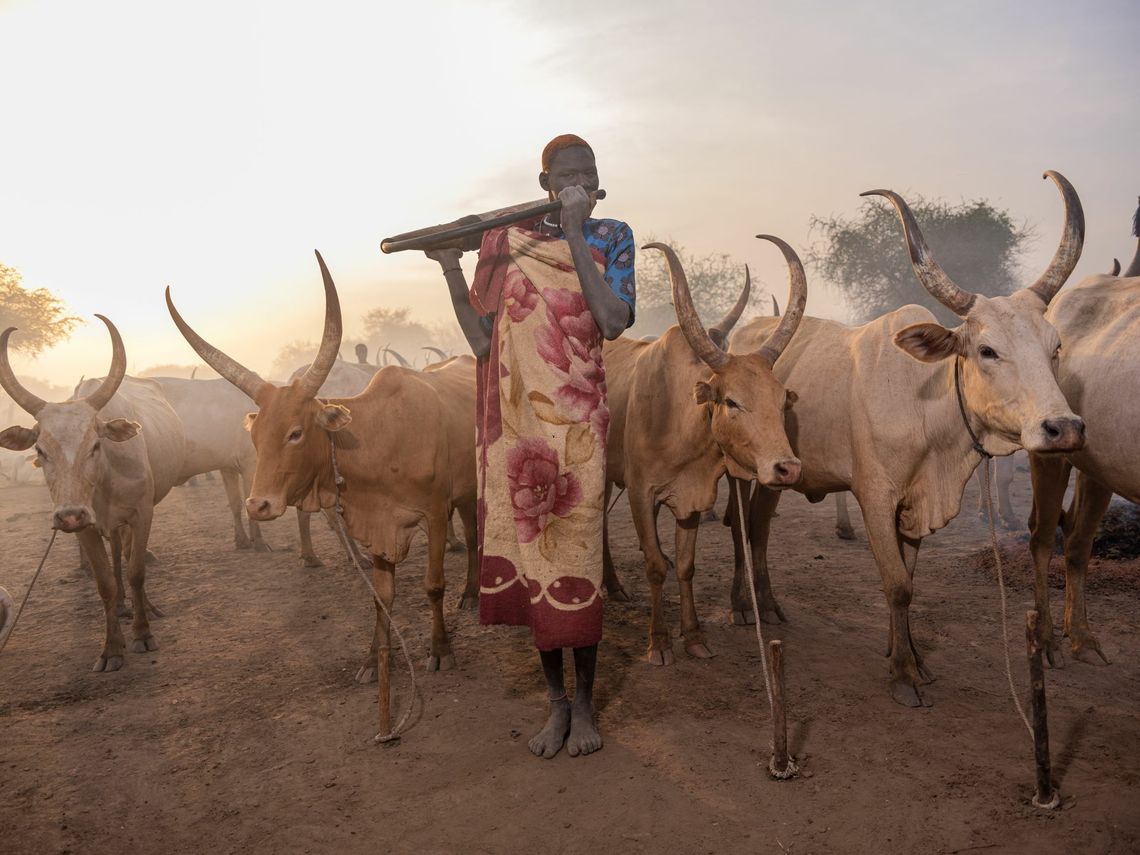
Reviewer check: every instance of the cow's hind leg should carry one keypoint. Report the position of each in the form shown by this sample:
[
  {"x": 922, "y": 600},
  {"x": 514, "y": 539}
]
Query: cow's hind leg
[
  {"x": 468, "y": 516},
  {"x": 454, "y": 544},
  {"x": 440, "y": 657},
  {"x": 613, "y": 586},
  {"x": 1090, "y": 501},
  {"x": 695, "y": 643},
  {"x": 758, "y": 512},
  {"x": 234, "y": 498},
  {"x": 1050, "y": 478},
  {"x": 136, "y": 574},
  {"x": 843, "y": 529},
  {"x": 111, "y": 659},
  {"x": 645, "y": 508}
]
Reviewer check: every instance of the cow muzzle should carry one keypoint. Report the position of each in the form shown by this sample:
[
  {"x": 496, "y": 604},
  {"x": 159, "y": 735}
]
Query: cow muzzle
[
  {"x": 263, "y": 510},
  {"x": 784, "y": 473},
  {"x": 72, "y": 519},
  {"x": 1058, "y": 435}
]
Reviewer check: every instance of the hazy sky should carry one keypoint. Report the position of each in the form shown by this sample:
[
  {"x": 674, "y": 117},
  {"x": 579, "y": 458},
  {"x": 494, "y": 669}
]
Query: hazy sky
[{"x": 211, "y": 146}]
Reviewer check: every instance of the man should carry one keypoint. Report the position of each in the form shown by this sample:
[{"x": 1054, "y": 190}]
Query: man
[{"x": 546, "y": 292}]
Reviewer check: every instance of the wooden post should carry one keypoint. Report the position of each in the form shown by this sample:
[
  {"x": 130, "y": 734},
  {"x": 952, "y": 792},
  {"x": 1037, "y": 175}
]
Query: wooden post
[
  {"x": 1045, "y": 795},
  {"x": 780, "y": 766}
]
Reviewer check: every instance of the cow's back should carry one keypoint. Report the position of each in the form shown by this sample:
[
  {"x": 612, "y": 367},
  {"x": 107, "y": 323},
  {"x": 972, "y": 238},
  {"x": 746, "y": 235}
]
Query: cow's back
[
  {"x": 620, "y": 358},
  {"x": 213, "y": 414},
  {"x": 454, "y": 383}
]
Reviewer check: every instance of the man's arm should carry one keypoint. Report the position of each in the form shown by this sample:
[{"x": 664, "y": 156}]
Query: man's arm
[
  {"x": 611, "y": 312},
  {"x": 469, "y": 320}
]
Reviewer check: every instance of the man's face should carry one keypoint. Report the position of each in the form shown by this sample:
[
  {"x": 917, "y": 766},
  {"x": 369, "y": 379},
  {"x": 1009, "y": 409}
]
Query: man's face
[{"x": 571, "y": 166}]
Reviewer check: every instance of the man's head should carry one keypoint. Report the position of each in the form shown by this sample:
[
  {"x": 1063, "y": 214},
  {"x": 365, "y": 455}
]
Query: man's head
[
  {"x": 362, "y": 354},
  {"x": 568, "y": 161}
]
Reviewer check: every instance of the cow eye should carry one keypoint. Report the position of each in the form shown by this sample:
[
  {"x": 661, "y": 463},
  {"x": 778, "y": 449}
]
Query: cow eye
[
  {"x": 95, "y": 449},
  {"x": 294, "y": 435},
  {"x": 987, "y": 352},
  {"x": 732, "y": 405}
]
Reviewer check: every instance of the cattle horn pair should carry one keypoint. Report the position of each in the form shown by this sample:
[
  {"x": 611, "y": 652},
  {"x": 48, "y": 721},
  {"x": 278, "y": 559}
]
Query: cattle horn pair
[
  {"x": 942, "y": 287},
  {"x": 32, "y": 404},
  {"x": 249, "y": 381}
]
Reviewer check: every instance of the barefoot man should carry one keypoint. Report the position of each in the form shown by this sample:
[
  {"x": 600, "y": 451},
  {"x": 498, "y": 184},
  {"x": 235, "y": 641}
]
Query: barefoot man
[{"x": 546, "y": 293}]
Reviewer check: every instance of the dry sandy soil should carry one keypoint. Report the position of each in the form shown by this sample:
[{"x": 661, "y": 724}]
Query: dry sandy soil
[{"x": 246, "y": 733}]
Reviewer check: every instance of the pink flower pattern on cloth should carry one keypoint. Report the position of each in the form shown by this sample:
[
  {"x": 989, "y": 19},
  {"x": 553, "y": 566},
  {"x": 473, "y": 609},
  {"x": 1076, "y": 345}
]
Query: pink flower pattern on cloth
[{"x": 539, "y": 488}]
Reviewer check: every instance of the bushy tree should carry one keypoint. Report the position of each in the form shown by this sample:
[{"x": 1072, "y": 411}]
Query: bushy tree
[
  {"x": 40, "y": 316},
  {"x": 866, "y": 258}
]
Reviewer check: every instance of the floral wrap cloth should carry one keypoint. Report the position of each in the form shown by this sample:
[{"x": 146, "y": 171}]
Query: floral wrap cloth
[{"x": 542, "y": 421}]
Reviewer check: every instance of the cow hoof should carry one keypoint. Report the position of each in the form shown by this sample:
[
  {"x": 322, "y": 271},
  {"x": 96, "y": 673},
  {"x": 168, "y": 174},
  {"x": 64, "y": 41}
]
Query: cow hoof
[
  {"x": 907, "y": 694},
  {"x": 926, "y": 675},
  {"x": 661, "y": 657},
  {"x": 699, "y": 650},
  {"x": 311, "y": 561},
  {"x": 845, "y": 533},
  {"x": 441, "y": 663},
  {"x": 107, "y": 663},
  {"x": 142, "y": 645},
  {"x": 741, "y": 617},
  {"x": 469, "y": 601},
  {"x": 366, "y": 674},
  {"x": 772, "y": 616},
  {"x": 1090, "y": 654},
  {"x": 456, "y": 546},
  {"x": 1054, "y": 657}
]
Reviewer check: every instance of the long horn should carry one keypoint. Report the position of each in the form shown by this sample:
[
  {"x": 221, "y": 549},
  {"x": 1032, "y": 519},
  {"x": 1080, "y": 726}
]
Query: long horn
[
  {"x": 28, "y": 402},
  {"x": 797, "y": 302},
  {"x": 932, "y": 277},
  {"x": 775, "y": 307},
  {"x": 1134, "y": 267},
  {"x": 718, "y": 332},
  {"x": 690, "y": 323},
  {"x": 319, "y": 370},
  {"x": 435, "y": 350},
  {"x": 232, "y": 370},
  {"x": 399, "y": 358},
  {"x": 99, "y": 398},
  {"x": 1072, "y": 241},
  {"x": 1115, "y": 267}
]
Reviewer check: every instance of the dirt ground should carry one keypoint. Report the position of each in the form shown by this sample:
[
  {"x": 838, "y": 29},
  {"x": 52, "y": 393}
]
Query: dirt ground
[{"x": 245, "y": 731}]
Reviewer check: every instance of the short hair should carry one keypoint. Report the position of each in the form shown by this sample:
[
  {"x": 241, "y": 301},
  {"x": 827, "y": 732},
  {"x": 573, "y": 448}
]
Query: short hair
[{"x": 557, "y": 144}]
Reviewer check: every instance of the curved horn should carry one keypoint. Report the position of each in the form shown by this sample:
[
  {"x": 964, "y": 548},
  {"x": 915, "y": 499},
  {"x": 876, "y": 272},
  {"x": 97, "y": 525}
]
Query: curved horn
[
  {"x": 719, "y": 332},
  {"x": 229, "y": 368},
  {"x": 775, "y": 307},
  {"x": 1072, "y": 241},
  {"x": 99, "y": 398},
  {"x": 399, "y": 358},
  {"x": 687, "y": 318},
  {"x": 322, "y": 364},
  {"x": 435, "y": 350},
  {"x": 193, "y": 372},
  {"x": 1115, "y": 267},
  {"x": 28, "y": 402},
  {"x": 1134, "y": 266},
  {"x": 932, "y": 277},
  {"x": 797, "y": 302}
]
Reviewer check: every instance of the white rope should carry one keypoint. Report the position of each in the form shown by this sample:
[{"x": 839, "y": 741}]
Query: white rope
[
  {"x": 399, "y": 728},
  {"x": 791, "y": 770},
  {"x": 987, "y": 474},
  {"x": 28, "y": 593}
]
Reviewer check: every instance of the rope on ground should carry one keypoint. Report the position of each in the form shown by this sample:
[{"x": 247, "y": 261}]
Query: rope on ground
[
  {"x": 23, "y": 602},
  {"x": 791, "y": 770},
  {"x": 987, "y": 477}
]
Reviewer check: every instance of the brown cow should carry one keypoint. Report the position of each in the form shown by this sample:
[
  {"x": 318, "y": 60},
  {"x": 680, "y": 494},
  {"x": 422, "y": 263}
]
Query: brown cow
[
  {"x": 404, "y": 447},
  {"x": 882, "y": 413},
  {"x": 666, "y": 451}
]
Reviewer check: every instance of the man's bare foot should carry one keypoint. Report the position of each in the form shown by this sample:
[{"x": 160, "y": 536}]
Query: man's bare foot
[
  {"x": 550, "y": 739},
  {"x": 584, "y": 736}
]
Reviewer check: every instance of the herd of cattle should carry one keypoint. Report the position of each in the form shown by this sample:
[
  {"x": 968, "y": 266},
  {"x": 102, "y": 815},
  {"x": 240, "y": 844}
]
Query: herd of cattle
[{"x": 899, "y": 412}]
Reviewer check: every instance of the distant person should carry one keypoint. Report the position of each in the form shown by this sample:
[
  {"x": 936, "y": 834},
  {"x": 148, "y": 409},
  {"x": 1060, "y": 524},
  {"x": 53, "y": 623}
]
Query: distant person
[{"x": 362, "y": 354}]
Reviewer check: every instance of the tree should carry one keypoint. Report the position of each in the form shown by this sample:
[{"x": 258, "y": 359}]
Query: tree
[
  {"x": 395, "y": 328},
  {"x": 715, "y": 281},
  {"x": 39, "y": 314},
  {"x": 866, "y": 257},
  {"x": 291, "y": 357}
]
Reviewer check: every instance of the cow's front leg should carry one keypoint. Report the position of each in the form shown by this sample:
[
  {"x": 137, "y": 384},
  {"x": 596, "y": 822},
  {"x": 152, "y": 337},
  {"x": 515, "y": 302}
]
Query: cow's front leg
[
  {"x": 1090, "y": 501},
  {"x": 1050, "y": 478},
  {"x": 91, "y": 542},
  {"x": 236, "y": 501},
  {"x": 384, "y": 581},
  {"x": 468, "y": 516},
  {"x": 758, "y": 512},
  {"x": 117, "y": 563},
  {"x": 136, "y": 574},
  {"x": 308, "y": 556},
  {"x": 686, "y": 539},
  {"x": 645, "y": 508},
  {"x": 440, "y": 657}
]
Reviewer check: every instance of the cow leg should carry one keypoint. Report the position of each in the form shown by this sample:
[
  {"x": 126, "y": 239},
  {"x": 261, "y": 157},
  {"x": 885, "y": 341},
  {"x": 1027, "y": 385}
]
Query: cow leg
[
  {"x": 468, "y": 516},
  {"x": 1003, "y": 477},
  {"x": 454, "y": 544},
  {"x": 136, "y": 573},
  {"x": 610, "y": 580},
  {"x": 111, "y": 659},
  {"x": 384, "y": 581},
  {"x": 645, "y": 508},
  {"x": 691, "y": 630},
  {"x": 758, "y": 512},
  {"x": 308, "y": 557},
  {"x": 1050, "y": 477},
  {"x": 258, "y": 542},
  {"x": 117, "y": 563},
  {"x": 440, "y": 658},
  {"x": 235, "y": 500},
  {"x": 896, "y": 557},
  {"x": 1090, "y": 501},
  {"x": 843, "y": 529}
]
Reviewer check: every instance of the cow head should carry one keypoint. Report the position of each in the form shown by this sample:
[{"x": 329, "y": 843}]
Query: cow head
[
  {"x": 68, "y": 437},
  {"x": 744, "y": 400},
  {"x": 1006, "y": 349},
  {"x": 291, "y": 430}
]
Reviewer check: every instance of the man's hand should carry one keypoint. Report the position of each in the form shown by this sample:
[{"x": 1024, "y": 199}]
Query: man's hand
[
  {"x": 448, "y": 259},
  {"x": 576, "y": 206}
]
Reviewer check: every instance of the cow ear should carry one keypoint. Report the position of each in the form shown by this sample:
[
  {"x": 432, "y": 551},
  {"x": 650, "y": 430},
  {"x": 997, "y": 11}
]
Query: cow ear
[
  {"x": 703, "y": 392},
  {"x": 928, "y": 342},
  {"x": 791, "y": 398},
  {"x": 119, "y": 430},
  {"x": 18, "y": 438},
  {"x": 248, "y": 421},
  {"x": 333, "y": 417}
]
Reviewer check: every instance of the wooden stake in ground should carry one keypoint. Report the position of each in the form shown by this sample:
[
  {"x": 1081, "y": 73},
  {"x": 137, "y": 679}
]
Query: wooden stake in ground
[
  {"x": 781, "y": 766},
  {"x": 1046, "y": 796}
]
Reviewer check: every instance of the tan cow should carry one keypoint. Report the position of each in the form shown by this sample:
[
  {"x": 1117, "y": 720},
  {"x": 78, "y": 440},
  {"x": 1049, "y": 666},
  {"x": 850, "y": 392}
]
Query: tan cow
[
  {"x": 404, "y": 447},
  {"x": 667, "y": 450},
  {"x": 882, "y": 413},
  {"x": 108, "y": 459},
  {"x": 1099, "y": 324}
]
